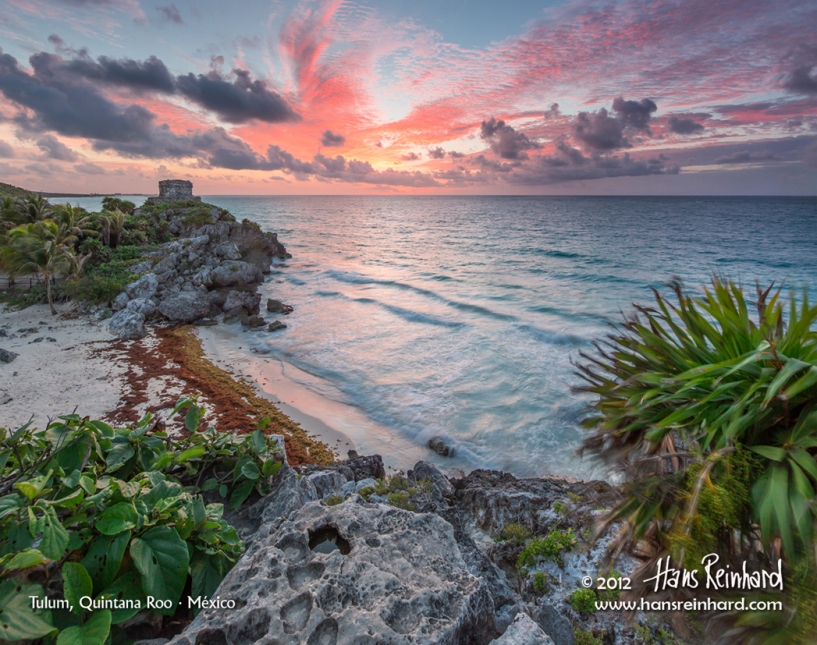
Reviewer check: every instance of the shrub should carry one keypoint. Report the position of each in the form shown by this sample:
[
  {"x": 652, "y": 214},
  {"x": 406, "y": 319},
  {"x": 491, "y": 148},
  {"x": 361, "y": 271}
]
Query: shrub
[
  {"x": 515, "y": 532},
  {"x": 549, "y": 547},
  {"x": 583, "y": 637},
  {"x": 560, "y": 508},
  {"x": 401, "y": 499},
  {"x": 539, "y": 583},
  {"x": 91, "y": 510},
  {"x": 334, "y": 500},
  {"x": 711, "y": 412},
  {"x": 583, "y": 600}
]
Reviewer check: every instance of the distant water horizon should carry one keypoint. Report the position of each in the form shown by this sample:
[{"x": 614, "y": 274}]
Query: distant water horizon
[{"x": 460, "y": 316}]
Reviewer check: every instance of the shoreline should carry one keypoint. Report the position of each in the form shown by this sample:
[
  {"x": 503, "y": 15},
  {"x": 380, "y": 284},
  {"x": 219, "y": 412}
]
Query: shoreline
[{"x": 49, "y": 377}]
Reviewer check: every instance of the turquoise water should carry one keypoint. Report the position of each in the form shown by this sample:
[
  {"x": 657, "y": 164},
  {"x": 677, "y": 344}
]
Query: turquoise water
[{"x": 460, "y": 315}]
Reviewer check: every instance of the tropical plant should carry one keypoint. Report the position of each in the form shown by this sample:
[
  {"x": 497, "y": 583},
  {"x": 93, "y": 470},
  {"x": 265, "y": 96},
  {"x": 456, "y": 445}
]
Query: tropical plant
[
  {"x": 117, "y": 204},
  {"x": 91, "y": 513},
  {"x": 37, "y": 248},
  {"x": 112, "y": 224},
  {"x": 711, "y": 414},
  {"x": 34, "y": 208},
  {"x": 74, "y": 221}
]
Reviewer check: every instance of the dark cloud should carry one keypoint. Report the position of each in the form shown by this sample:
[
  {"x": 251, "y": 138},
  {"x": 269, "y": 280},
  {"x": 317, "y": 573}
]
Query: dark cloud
[
  {"x": 89, "y": 169},
  {"x": 436, "y": 153},
  {"x": 492, "y": 165},
  {"x": 43, "y": 168},
  {"x": 61, "y": 46},
  {"x": 55, "y": 150},
  {"x": 67, "y": 105},
  {"x": 634, "y": 114},
  {"x": 332, "y": 140},
  {"x": 170, "y": 14},
  {"x": 410, "y": 156},
  {"x": 456, "y": 155},
  {"x": 237, "y": 101},
  {"x": 150, "y": 74},
  {"x": 747, "y": 157},
  {"x": 505, "y": 141},
  {"x": 6, "y": 151},
  {"x": 553, "y": 111},
  {"x": 599, "y": 131},
  {"x": 802, "y": 75},
  {"x": 680, "y": 125}
]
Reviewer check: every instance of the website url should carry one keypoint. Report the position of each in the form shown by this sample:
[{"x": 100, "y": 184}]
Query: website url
[{"x": 689, "y": 605}]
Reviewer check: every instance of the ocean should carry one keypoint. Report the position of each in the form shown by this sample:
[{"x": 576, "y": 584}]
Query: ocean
[{"x": 462, "y": 316}]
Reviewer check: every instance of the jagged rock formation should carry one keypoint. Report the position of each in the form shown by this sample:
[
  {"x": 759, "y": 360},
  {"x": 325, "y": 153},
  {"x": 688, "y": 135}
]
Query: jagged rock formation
[{"x": 214, "y": 266}]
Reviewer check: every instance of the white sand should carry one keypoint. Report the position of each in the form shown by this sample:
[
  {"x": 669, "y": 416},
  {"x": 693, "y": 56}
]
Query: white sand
[{"x": 48, "y": 379}]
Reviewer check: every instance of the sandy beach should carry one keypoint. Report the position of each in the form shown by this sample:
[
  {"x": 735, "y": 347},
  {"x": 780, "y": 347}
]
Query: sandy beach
[{"x": 71, "y": 362}]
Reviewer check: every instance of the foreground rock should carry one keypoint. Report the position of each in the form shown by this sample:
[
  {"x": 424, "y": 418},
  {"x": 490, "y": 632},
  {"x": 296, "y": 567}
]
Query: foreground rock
[
  {"x": 523, "y": 631},
  {"x": 7, "y": 356},
  {"x": 354, "y": 573}
]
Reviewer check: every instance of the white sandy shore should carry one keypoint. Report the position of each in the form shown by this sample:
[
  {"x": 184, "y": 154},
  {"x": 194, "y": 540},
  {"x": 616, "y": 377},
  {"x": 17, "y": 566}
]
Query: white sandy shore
[{"x": 50, "y": 378}]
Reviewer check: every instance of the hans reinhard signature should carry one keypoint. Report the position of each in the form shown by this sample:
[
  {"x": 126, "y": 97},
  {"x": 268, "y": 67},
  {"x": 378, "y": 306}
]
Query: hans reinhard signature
[{"x": 724, "y": 577}]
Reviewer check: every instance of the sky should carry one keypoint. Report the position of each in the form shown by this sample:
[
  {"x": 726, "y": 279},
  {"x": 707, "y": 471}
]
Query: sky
[{"x": 637, "y": 97}]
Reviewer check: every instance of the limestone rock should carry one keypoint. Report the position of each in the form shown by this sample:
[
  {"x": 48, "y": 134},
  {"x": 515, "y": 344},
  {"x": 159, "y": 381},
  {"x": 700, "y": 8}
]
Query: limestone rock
[
  {"x": 144, "y": 287},
  {"x": 441, "y": 446},
  {"x": 234, "y": 273},
  {"x": 278, "y": 307},
  {"x": 327, "y": 483},
  {"x": 276, "y": 325},
  {"x": 425, "y": 470},
  {"x": 523, "y": 631},
  {"x": 127, "y": 324},
  {"x": 186, "y": 306},
  {"x": 143, "y": 306},
  {"x": 253, "y": 321},
  {"x": 7, "y": 356},
  {"x": 249, "y": 300},
  {"x": 120, "y": 302},
  {"x": 554, "y": 624},
  {"x": 355, "y": 573}
]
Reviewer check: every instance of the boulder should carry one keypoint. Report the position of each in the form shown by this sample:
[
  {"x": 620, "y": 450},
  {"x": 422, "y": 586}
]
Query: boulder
[
  {"x": 554, "y": 624},
  {"x": 247, "y": 299},
  {"x": 143, "y": 306},
  {"x": 424, "y": 470},
  {"x": 227, "y": 251},
  {"x": 167, "y": 263},
  {"x": 355, "y": 573},
  {"x": 327, "y": 483},
  {"x": 278, "y": 307},
  {"x": 7, "y": 356},
  {"x": 255, "y": 246},
  {"x": 144, "y": 287},
  {"x": 523, "y": 631},
  {"x": 185, "y": 306},
  {"x": 441, "y": 446},
  {"x": 253, "y": 321},
  {"x": 276, "y": 325},
  {"x": 232, "y": 273},
  {"x": 127, "y": 324},
  {"x": 120, "y": 302}
]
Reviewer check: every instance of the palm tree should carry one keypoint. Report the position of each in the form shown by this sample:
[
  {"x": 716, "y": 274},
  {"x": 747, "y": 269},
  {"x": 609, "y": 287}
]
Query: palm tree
[
  {"x": 36, "y": 248},
  {"x": 73, "y": 220},
  {"x": 9, "y": 213},
  {"x": 113, "y": 226},
  {"x": 76, "y": 263},
  {"x": 35, "y": 209}
]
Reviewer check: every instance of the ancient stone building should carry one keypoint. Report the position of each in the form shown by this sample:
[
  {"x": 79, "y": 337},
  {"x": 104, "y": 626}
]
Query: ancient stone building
[{"x": 173, "y": 189}]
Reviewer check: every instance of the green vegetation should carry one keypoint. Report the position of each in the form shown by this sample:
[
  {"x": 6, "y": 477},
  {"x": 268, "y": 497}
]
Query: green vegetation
[
  {"x": 334, "y": 500},
  {"x": 560, "y": 508},
  {"x": 515, "y": 532},
  {"x": 549, "y": 547},
  {"x": 539, "y": 583},
  {"x": 87, "y": 510},
  {"x": 711, "y": 412},
  {"x": 583, "y": 600},
  {"x": 13, "y": 192},
  {"x": 582, "y": 637}
]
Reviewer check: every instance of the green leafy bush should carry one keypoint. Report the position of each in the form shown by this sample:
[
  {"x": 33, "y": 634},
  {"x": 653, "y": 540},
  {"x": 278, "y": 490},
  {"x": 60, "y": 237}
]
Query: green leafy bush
[
  {"x": 560, "y": 508},
  {"x": 539, "y": 583},
  {"x": 549, "y": 547},
  {"x": 583, "y": 637},
  {"x": 515, "y": 532},
  {"x": 710, "y": 410},
  {"x": 583, "y": 600},
  {"x": 88, "y": 511},
  {"x": 334, "y": 500}
]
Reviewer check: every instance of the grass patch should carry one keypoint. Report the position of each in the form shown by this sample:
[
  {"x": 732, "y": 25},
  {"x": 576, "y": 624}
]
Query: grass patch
[{"x": 549, "y": 547}]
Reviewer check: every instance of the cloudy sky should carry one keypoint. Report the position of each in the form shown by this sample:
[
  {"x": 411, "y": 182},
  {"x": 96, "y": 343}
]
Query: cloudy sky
[{"x": 403, "y": 96}]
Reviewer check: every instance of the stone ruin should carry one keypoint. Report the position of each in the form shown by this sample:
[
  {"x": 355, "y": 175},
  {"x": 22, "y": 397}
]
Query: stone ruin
[{"x": 175, "y": 189}]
